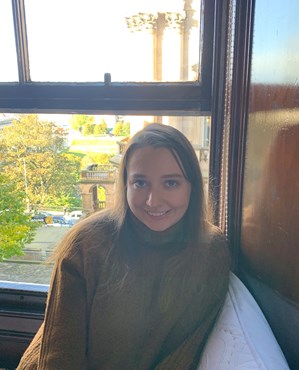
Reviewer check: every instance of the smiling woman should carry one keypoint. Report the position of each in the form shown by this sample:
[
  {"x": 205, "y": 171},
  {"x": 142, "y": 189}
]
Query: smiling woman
[
  {"x": 224, "y": 73},
  {"x": 157, "y": 191},
  {"x": 150, "y": 274}
]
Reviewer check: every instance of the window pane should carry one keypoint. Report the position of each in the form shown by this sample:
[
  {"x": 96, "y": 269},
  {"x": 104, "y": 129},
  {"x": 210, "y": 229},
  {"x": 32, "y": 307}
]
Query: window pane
[
  {"x": 96, "y": 142},
  {"x": 136, "y": 40},
  {"x": 8, "y": 59},
  {"x": 270, "y": 230}
]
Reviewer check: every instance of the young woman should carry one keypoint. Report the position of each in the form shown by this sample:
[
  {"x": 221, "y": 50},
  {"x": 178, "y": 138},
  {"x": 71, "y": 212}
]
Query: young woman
[{"x": 138, "y": 287}]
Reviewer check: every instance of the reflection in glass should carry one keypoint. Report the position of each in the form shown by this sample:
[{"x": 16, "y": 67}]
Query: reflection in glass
[
  {"x": 8, "y": 59},
  {"x": 275, "y": 50},
  {"x": 131, "y": 40},
  {"x": 270, "y": 230}
]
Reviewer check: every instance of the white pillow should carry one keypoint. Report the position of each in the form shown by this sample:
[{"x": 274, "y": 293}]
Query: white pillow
[{"x": 242, "y": 338}]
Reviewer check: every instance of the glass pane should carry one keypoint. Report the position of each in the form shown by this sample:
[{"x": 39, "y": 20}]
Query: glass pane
[
  {"x": 8, "y": 59},
  {"x": 270, "y": 230},
  {"x": 83, "y": 182},
  {"x": 137, "y": 40}
]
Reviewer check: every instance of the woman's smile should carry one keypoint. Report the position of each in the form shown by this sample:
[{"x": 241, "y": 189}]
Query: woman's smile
[{"x": 157, "y": 191}]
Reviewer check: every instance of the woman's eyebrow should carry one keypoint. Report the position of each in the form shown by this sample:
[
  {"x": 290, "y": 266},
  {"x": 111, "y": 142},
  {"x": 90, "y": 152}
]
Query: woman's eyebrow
[
  {"x": 137, "y": 175},
  {"x": 173, "y": 175}
]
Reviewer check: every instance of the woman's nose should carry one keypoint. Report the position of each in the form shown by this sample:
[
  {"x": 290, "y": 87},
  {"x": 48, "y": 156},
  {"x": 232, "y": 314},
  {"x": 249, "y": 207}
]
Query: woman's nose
[{"x": 153, "y": 198}]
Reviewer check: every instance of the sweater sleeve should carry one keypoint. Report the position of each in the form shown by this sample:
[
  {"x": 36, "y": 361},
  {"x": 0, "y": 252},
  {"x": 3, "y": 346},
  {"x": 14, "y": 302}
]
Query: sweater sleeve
[
  {"x": 61, "y": 341},
  {"x": 63, "y": 344}
]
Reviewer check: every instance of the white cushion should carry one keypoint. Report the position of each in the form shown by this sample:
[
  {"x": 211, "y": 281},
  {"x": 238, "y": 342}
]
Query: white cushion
[{"x": 242, "y": 338}]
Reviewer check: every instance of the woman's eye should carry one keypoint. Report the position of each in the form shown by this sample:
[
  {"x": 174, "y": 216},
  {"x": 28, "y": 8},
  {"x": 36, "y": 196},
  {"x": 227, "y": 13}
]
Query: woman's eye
[
  {"x": 171, "y": 183},
  {"x": 140, "y": 183}
]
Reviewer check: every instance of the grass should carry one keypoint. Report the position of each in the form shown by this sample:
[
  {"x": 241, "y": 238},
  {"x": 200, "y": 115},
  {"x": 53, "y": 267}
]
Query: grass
[
  {"x": 93, "y": 141},
  {"x": 94, "y": 145}
]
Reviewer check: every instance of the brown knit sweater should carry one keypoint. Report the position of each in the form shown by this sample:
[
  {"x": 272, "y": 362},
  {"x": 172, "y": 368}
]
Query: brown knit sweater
[{"x": 149, "y": 320}]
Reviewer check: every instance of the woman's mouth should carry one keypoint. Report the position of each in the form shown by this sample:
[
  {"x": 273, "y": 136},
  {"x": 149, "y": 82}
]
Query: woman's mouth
[{"x": 156, "y": 214}]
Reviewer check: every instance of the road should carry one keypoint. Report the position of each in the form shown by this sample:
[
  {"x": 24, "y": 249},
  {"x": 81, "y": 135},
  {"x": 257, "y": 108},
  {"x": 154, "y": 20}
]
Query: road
[
  {"x": 47, "y": 237},
  {"x": 33, "y": 269}
]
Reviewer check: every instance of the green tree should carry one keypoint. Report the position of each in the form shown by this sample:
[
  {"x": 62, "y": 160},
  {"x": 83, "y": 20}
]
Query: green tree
[
  {"x": 101, "y": 128},
  {"x": 88, "y": 129},
  {"x": 121, "y": 129},
  {"x": 35, "y": 155},
  {"x": 126, "y": 129},
  {"x": 16, "y": 228},
  {"x": 78, "y": 121},
  {"x": 95, "y": 158}
]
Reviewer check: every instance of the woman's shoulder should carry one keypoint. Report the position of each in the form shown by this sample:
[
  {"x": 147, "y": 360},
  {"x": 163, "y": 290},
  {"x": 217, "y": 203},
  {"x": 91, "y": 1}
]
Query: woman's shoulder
[
  {"x": 101, "y": 221},
  {"x": 217, "y": 241},
  {"x": 90, "y": 237}
]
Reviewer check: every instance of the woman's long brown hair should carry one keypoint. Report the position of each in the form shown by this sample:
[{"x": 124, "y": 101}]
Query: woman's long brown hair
[
  {"x": 162, "y": 136},
  {"x": 189, "y": 266}
]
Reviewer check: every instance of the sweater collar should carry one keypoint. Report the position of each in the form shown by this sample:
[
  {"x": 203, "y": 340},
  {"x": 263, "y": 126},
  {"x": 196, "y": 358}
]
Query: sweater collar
[{"x": 176, "y": 234}]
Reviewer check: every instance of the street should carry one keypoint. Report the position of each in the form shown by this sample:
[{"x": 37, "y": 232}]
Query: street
[
  {"x": 32, "y": 268},
  {"x": 47, "y": 237}
]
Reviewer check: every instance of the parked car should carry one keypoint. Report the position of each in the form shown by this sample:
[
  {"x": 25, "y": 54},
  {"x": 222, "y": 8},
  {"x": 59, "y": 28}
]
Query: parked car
[
  {"x": 74, "y": 216},
  {"x": 58, "y": 221},
  {"x": 40, "y": 216}
]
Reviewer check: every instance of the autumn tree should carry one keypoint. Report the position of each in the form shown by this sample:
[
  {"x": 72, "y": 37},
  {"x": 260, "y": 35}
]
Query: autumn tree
[
  {"x": 88, "y": 129},
  {"x": 121, "y": 129},
  {"x": 36, "y": 160},
  {"x": 95, "y": 158},
  {"x": 78, "y": 121},
  {"x": 16, "y": 228},
  {"x": 101, "y": 128}
]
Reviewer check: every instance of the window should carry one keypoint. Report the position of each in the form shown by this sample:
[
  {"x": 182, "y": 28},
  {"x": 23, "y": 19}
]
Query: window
[
  {"x": 80, "y": 65},
  {"x": 8, "y": 60},
  {"x": 93, "y": 145},
  {"x": 121, "y": 57},
  {"x": 136, "y": 41},
  {"x": 145, "y": 61}
]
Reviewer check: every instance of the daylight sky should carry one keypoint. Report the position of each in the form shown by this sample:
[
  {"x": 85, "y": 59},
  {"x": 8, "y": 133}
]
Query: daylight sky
[{"x": 73, "y": 40}]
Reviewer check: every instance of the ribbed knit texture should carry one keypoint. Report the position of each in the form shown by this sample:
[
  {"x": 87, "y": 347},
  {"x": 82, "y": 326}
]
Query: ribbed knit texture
[{"x": 129, "y": 328}]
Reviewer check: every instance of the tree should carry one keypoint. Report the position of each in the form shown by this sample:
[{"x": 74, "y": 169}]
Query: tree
[
  {"x": 121, "y": 129},
  {"x": 34, "y": 153},
  {"x": 88, "y": 129},
  {"x": 95, "y": 158},
  {"x": 101, "y": 128},
  {"x": 126, "y": 129},
  {"x": 80, "y": 120},
  {"x": 16, "y": 228}
]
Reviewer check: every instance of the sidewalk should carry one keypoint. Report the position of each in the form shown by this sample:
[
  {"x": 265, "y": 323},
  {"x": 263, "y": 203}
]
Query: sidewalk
[{"x": 30, "y": 271}]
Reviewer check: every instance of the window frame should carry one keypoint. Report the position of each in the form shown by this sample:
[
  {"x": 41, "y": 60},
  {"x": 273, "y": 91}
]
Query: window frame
[{"x": 102, "y": 97}]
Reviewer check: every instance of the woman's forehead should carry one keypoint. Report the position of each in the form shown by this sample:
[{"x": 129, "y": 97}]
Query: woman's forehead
[{"x": 151, "y": 158}]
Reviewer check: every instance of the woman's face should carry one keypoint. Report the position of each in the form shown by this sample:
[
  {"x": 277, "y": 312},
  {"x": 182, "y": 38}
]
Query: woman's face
[{"x": 157, "y": 192}]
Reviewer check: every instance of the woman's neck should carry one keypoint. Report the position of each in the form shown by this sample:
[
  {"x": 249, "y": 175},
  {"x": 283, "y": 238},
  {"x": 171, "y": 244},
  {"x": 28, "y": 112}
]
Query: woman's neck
[{"x": 176, "y": 234}]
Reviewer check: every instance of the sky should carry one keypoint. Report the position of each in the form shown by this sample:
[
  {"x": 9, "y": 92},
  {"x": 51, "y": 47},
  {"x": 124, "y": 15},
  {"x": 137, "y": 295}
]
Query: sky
[
  {"x": 73, "y": 40},
  {"x": 60, "y": 50},
  {"x": 276, "y": 42}
]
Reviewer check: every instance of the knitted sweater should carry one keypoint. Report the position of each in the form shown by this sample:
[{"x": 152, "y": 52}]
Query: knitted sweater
[{"x": 144, "y": 318}]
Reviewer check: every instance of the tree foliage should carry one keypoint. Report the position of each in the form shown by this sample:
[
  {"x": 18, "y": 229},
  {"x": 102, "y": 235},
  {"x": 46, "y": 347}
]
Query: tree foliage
[
  {"x": 95, "y": 158},
  {"x": 100, "y": 128},
  {"x": 78, "y": 121},
  {"x": 121, "y": 129},
  {"x": 88, "y": 129},
  {"x": 35, "y": 158},
  {"x": 16, "y": 229}
]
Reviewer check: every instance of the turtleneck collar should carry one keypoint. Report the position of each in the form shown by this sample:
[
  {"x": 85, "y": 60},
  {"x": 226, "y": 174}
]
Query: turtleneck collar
[{"x": 176, "y": 234}]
